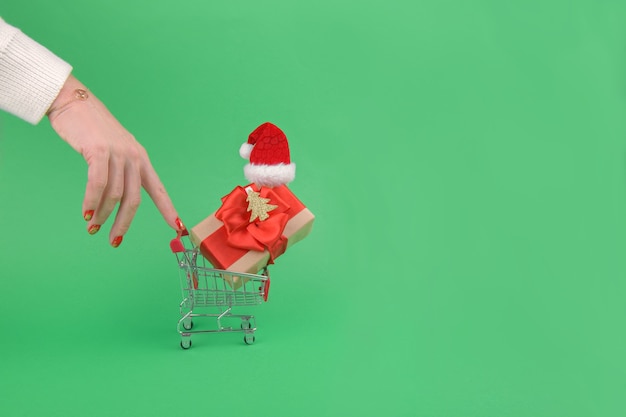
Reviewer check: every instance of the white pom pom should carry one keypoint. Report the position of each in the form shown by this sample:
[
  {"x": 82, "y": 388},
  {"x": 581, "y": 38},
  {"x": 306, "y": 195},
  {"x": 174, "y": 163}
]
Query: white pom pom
[{"x": 245, "y": 150}]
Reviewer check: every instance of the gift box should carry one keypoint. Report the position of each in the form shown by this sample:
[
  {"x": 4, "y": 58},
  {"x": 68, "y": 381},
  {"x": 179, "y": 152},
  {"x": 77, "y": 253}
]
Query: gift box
[{"x": 253, "y": 227}]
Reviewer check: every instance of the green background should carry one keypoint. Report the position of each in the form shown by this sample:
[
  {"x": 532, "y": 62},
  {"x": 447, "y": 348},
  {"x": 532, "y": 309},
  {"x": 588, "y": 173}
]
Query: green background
[{"x": 466, "y": 164}]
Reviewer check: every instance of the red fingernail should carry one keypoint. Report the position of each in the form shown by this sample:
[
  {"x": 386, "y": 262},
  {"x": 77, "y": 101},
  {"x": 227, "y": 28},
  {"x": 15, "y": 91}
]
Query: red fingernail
[
  {"x": 117, "y": 241},
  {"x": 88, "y": 215},
  {"x": 93, "y": 229},
  {"x": 179, "y": 224}
]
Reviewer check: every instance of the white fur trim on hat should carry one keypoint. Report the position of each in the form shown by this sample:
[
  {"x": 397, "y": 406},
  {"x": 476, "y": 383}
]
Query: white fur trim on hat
[
  {"x": 270, "y": 175},
  {"x": 245, "y": 150}
]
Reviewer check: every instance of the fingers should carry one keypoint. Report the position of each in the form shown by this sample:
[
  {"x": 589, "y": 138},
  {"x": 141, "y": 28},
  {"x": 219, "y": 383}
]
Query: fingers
[
  {"x": 155, "y": 189},
  {"x": 110, "y": 196},
  {"x": 97, "y": 179},
  {"x": 128, "y": 205},
  {"x": 115, "y": 180}
]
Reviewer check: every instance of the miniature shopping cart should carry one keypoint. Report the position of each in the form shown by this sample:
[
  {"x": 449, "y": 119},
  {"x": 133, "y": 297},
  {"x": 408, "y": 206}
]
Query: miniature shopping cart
[{"x": 205, "y": 288}]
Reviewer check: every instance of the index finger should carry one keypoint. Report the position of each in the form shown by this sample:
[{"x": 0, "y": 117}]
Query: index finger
[{"x": 156, "y": 190}]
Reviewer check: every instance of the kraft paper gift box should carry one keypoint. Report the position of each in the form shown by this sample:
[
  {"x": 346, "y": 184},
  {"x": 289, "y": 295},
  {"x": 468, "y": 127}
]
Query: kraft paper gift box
[{"x": 232, "y": 239}]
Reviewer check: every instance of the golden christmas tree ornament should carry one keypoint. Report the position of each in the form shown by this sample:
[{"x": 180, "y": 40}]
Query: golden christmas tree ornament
[{"x": 258, "y": 205}]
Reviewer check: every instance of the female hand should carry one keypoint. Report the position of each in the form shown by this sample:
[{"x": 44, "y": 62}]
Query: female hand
[{"x": 118, "y": 166}]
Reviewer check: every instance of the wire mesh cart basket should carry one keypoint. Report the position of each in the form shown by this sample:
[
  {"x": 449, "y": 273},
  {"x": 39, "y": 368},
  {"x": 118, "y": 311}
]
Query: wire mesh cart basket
[{"x": 205, "y": 289}]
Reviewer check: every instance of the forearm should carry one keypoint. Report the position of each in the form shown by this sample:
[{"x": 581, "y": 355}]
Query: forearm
[{"x": 30, "y": 75}]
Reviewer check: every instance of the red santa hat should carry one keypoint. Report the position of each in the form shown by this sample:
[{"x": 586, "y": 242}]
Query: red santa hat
[{"x": 267, "y": 150}]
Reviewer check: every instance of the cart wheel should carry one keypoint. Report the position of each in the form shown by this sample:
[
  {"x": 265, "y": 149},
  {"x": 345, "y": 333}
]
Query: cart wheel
[
  {"x": 249, "y": 338},
  {"x": 188, "y": 325},
  {"x": 185, "y": 343},
  {"x": 246, "y": 325}
]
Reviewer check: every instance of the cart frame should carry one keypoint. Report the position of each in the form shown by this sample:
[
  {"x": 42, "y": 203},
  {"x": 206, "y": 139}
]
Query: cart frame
[{"x": 204, "y": 287}]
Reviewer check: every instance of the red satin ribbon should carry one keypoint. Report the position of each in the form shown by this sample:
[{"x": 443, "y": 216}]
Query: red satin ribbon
[{"x": 257, "y": 235}]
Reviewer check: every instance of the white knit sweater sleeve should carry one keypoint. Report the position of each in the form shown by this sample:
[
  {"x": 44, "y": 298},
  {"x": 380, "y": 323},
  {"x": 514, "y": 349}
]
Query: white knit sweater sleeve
[{"x": 30, "y": 75}]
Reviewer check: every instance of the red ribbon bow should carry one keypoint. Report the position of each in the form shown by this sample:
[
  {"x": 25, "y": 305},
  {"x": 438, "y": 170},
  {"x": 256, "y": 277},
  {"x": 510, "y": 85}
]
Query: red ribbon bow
[{"x": 256, "y": 235}]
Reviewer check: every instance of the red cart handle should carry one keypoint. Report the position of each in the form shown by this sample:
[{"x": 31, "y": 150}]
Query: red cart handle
[
  {"x": 266, "y": 289},
  {"x": 176, "y": 245}
]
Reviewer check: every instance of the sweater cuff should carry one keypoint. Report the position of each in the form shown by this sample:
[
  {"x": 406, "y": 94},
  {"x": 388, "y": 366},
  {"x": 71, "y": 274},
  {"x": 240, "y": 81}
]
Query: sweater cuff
[{"x": 30, "y": 75}]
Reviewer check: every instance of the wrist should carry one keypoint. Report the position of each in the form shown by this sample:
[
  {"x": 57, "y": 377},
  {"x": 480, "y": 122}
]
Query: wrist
[{"x": 73, "y": 90}]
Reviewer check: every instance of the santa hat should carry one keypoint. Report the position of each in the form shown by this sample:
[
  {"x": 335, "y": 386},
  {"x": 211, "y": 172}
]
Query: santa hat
[{"x": 267, "y": 150}]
